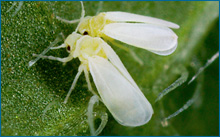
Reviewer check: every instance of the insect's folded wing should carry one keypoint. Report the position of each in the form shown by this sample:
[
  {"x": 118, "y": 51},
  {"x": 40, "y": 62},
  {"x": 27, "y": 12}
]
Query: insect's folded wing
[
  {"x": 159, "y": 40},
  {"x": 115, "y": 60},
  {"x": 130, "y": 17},
  {"x": 126, "y": 103}
]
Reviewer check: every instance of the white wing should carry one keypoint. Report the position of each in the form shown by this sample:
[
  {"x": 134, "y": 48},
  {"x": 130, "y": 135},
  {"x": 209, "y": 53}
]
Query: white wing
[
  {"x": 126, "y": 103},
  {"x": 159, "y": 40},
  {"x": 130, "y": 17},
  {"x": 115, "y": 60}
]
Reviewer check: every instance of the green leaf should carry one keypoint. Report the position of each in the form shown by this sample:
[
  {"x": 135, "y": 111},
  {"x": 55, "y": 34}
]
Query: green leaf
[{"x": 31, "y": 98}]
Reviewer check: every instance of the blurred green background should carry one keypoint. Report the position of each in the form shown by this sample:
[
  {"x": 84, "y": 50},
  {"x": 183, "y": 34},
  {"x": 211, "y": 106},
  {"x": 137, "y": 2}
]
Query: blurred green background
[{"x": 31, "y": 98}]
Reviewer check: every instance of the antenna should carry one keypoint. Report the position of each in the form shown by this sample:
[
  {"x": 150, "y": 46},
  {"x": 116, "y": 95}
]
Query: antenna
[{"x": 82, "y": 16}]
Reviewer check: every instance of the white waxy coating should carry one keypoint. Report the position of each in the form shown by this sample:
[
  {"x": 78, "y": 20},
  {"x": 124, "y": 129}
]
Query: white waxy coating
[
  {"x": 115, "y": 60},
  {"x": 117, "y": 89},
  {"x": 157, "y": 39},
  {"x": 125, "y": 101},
  {"x": 119, "y": 16}
]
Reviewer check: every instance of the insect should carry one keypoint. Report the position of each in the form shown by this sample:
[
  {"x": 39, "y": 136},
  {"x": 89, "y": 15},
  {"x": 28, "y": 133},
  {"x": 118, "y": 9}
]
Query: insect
[
  {"x": 140, "y": 31},
  {"x": 117, "y": 89}
]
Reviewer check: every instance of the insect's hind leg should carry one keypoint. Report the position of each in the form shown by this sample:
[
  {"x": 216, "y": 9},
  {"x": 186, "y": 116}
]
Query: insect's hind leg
[
  {"x": 89, "y": 83},
  {"x": 93, "y": 100},
  {"x": 104, "y": 117}
]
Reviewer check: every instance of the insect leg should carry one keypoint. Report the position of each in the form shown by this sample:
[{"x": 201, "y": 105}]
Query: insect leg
[
  {"x": 104, "y": 120},
  {"x": 74, "y": 83},
  {"x": 174, "y": 85},
  {"x": 89, "y": 83},
  {"x": 94, "y": 99},
  {"x": 103, "y": 116},
  {"x": 196, "y": 99},
  {"x": 210, "y": 61},
  {"x": 136, "y": 58},
  {"x": 54, "y": 58},
  {"x": 45, "y": 51}
]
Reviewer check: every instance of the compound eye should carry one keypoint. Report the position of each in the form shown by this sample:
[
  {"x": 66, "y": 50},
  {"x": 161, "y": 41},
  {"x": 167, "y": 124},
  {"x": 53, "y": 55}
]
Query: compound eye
[
  {"x": 68, "y": 48},
  {"x": 85, "y": 33}
]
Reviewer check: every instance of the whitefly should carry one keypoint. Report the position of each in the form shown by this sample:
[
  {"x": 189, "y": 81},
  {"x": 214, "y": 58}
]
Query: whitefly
[
  {"x": 144, "y": 32},
  {"x": 116, "y": 88}
]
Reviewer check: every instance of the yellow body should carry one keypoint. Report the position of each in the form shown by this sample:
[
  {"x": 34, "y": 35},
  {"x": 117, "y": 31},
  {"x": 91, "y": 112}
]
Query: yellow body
[
  {"x": 83, "y": 47},
  {"x": 94, "y": 25}
]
